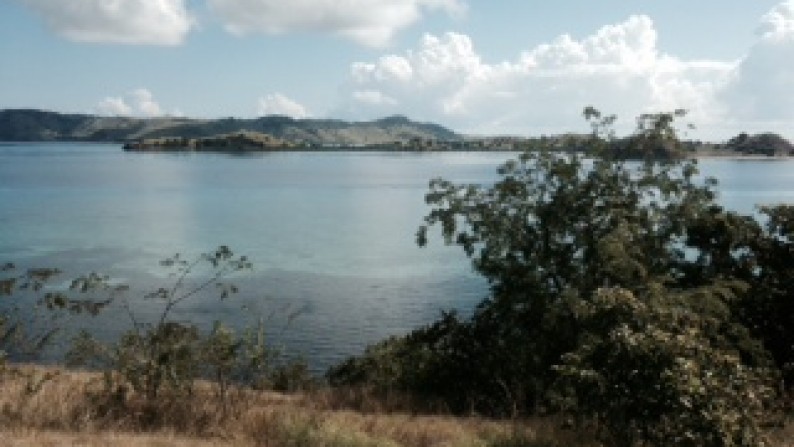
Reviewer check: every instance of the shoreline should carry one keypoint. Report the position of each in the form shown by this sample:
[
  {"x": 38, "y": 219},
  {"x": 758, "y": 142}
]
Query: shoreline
[
  {"x": 742, "y": 157},
  {"x": 127, "y": 147}
]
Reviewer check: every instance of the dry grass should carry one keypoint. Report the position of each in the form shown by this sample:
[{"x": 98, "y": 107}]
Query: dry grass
[
  {"x": 38, "y": 438},
  {"x": 53, "y": 407}
]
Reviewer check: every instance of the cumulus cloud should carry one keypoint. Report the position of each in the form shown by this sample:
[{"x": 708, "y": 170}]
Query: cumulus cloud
[
  {"x": 113, "y": 106},
  {"x": 161, "y": 22},
  {"x": 139, "y": 102},
  {"x": 278, "y": 104},
  {"x": 778, "y": 22},
  {"x": 373, "y": 97},
  {"x": 618, "y": 68},
  {"x": 368, "y": 22},
  {"x": 759, "y": 93}
]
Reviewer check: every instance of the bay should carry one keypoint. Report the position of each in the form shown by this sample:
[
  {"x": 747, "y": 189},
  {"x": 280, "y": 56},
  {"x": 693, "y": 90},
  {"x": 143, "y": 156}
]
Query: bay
[{"x": 331, "y": 235}]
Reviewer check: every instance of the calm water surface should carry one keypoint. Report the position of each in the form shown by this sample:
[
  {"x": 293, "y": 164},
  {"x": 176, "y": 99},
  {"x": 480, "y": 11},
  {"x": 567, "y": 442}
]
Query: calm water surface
[{"x": 330, "y": 234}]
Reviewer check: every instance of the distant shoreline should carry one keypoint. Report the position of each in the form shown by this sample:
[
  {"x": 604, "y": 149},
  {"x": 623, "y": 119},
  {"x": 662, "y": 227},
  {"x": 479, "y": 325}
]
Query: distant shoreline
[
  {"x": 377, "y": 148},
  {"x": 742, "y": 157}
]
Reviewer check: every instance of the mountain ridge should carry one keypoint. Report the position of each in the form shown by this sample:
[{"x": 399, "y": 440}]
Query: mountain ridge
[{"x": 43, "y": 125}]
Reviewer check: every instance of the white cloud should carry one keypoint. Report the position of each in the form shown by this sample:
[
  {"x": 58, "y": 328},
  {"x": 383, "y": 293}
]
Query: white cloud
[
  {"x": 373, "y": 97},
  {"x": 153, "y": 22},
  {"x": 144, "y": 102},
  {"x": 278, "y": 104},
  {"x": 368, "y": 22},
  {"x": 778, "y": 22},
  {"x": 618, "y": 69},
  {"x": 388, "y": 67},
  {"x": 113, "y": 106},
  {"x": 139, "y": 102},
  {"x": 759, "y": 93}
]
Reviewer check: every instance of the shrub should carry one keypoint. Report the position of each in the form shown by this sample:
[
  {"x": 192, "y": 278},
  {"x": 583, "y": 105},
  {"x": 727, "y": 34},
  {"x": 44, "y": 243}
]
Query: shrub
[
  {"x": 155, "y": 364},
  {"x": 653, "y": 371},
  {"x": 625, "y": 280}
]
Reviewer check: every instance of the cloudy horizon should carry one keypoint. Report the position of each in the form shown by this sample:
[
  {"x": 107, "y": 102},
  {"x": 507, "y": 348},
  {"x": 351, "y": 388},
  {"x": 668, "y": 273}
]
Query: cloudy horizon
[{"x": 443, "y": 61}]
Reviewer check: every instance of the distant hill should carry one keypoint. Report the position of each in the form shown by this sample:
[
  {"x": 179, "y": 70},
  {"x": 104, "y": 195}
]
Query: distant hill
[{"x": 38, "y": 125}]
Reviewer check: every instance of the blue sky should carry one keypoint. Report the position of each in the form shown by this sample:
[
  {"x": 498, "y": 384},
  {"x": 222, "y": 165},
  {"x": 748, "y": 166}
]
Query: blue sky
[{"x": 485, "y": 67}]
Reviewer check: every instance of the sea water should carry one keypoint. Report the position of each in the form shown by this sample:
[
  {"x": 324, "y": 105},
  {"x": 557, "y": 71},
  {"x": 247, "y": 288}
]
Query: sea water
[{"x": 330, "y": 234}]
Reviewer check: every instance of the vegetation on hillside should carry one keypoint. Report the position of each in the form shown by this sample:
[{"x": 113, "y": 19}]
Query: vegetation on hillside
[{"x": 39, "y": 125}]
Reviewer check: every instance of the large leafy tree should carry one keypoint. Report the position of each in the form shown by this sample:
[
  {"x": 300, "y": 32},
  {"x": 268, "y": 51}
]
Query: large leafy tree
[
  {"x": 551, "y": 236},
  {"x": 550, "y": 233}
]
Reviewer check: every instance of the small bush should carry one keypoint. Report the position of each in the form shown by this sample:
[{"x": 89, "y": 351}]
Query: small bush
[{"x": 155, "y": 364}]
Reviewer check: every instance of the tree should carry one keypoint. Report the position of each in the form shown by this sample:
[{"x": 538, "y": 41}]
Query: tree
[
  {"x": 655, "y": 136},
  {"x": 551, "y": 232},
  {"x": 554, "y": 230},
  {"x": 550, "y": 236}
]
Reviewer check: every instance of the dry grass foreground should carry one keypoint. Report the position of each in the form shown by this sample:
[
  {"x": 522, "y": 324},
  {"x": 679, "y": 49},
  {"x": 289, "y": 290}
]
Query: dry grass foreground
[
  {"x": 50, "y": 407},
  {"x": 54, "y": 407}
]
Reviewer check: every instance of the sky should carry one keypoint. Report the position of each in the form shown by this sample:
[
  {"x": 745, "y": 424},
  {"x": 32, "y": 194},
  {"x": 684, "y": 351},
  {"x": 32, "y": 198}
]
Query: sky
[{"x": 506, "y": 67}]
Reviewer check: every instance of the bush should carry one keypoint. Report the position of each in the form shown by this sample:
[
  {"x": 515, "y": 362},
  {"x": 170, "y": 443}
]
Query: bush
[
  {"x": 552, "y": 231},
  {"x": 653, "y": 371},
  {"x": 159, "y": 362},
  {"x": 623, "y": 286}
]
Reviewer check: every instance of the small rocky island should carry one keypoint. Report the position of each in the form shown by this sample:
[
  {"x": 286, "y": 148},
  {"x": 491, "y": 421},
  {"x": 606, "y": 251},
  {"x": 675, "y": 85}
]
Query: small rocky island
[
  {"x": 233, "y": 142},
  {"x": 767, "y": 143}
]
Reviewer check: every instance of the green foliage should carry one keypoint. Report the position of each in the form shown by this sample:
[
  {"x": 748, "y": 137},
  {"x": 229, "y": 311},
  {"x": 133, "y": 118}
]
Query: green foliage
[
  {"x": 30, "y": 312},
  {"x": 769, "y": 144},
  {"x": 154, "y": 364},
  {"x": 768, "y": 309},
  {"x": 602, "y": 132},
  {"x": 653, "y": 371},
  {"x": 160, "y": 361},
  {"x": 409, "y": 363},
  {"x": 228, "y": 358},
  {"x": 666, "y": 316},
  {"x": 554, "y": 229},
  {"x": 655, "y": 136},
  {"x": 733, "y": 246},
  {"x": 153, "y": 356}
]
